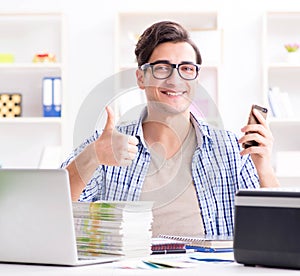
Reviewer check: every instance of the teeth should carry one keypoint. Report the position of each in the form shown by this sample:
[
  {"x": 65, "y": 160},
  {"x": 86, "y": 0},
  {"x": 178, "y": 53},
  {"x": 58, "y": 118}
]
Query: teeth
[{"x": 174, "y": 94}]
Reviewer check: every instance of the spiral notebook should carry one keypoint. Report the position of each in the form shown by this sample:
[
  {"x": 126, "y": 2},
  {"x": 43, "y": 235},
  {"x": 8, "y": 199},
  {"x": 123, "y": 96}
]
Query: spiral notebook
[
  {"x": 207, "y": 241},
  {"x": 158, "y": 245}
]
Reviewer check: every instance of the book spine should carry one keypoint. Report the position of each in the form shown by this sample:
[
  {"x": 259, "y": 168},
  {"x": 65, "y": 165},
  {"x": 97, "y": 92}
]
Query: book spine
[
  {"x": 99, "y": 241},
  {"x": 97, "y": 216},
  {"x": 97, "y": 206}
]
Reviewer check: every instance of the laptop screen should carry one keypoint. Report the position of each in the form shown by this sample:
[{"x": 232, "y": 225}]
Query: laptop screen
[{"x": 36, "y": 216}]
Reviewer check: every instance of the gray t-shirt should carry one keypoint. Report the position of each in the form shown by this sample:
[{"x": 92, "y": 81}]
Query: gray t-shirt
[{"x": 170, "y": 185}]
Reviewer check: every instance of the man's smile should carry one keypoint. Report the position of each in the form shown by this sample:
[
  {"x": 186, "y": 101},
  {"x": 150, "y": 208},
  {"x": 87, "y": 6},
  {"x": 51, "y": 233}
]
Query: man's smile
[{"x": 173, "y": 93}]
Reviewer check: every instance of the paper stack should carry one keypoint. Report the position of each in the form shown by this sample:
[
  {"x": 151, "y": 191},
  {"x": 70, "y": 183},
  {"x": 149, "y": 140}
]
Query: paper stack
[{"x": 113, "y": 227}]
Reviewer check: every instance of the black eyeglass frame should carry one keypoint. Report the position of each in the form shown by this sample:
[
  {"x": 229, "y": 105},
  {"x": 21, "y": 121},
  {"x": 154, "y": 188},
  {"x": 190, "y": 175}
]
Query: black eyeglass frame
[{"x": 145, "y": 66}]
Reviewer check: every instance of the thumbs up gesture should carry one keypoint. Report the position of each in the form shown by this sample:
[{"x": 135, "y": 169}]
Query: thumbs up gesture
[{"x": 114, "y": 148}]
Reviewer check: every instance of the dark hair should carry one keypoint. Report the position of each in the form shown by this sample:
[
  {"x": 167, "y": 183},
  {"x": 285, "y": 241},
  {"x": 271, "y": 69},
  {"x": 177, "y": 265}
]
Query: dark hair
[{"x": 160, "y": 32}]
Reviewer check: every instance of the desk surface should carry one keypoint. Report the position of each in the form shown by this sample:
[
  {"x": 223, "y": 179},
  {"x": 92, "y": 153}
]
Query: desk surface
[{"x": 113, "y": 269}]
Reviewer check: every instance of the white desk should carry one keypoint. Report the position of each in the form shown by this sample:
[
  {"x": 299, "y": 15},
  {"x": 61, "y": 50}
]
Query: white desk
[{"x": 223, "y": 269}]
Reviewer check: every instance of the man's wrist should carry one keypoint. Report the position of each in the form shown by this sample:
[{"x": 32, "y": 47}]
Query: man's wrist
[
  {"x": 267, "y": 178},
  {"x": 86, "y": 163}
]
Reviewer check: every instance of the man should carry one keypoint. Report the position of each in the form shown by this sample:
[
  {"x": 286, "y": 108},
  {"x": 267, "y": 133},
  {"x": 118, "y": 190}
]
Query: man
[{"x": 191, "y": 170}]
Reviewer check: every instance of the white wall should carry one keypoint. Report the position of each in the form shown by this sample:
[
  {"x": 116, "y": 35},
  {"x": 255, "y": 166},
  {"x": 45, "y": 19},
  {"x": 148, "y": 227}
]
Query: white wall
[{"x": 91, "y": 23}]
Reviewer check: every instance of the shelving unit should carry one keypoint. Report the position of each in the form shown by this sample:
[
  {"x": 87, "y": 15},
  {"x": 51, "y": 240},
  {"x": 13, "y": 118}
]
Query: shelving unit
[
  {"x": 281, "y": 28},
  {"x": 205, "y": 30},
  {"x": 282, "y": 74},
  {"x": 25, "y": 140}
]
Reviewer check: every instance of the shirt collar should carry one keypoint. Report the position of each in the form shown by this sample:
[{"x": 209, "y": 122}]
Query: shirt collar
[
  {"x": 201, "y": 129},
  {"x": 139, "y": 128}
]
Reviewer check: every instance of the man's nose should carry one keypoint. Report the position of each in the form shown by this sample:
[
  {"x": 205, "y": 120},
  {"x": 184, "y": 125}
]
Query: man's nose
[{"x": 175, "y": 77}]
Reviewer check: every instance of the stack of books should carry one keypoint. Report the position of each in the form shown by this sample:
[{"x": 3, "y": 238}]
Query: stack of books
[
  {"x": 280, "y": 103},
  {"x": 113, "y": 227}
]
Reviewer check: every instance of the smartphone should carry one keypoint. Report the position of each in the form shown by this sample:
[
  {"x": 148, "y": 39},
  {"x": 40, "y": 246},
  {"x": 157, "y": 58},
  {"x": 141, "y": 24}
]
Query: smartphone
[{"x": 253, "y": 120}]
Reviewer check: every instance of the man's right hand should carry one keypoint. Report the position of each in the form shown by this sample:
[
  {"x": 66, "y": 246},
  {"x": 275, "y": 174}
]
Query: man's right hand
[{"x": 114, "y": 148}]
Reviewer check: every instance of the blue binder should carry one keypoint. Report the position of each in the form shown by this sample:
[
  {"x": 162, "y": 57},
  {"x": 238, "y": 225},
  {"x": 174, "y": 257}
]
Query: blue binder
[{"x": 52, "y": 97}]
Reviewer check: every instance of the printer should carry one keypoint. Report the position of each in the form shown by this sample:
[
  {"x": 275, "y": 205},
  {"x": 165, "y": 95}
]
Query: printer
[{"x": 267, "y": 227}]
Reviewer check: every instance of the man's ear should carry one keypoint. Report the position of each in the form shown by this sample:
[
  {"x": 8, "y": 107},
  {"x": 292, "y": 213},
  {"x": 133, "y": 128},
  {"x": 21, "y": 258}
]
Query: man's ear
[{"x": 140, "y": 78}]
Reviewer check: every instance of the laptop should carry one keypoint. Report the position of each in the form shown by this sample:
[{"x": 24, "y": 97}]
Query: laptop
[
  {"x": 267, "y": 227},
  {"x": 37, "y": 221}
]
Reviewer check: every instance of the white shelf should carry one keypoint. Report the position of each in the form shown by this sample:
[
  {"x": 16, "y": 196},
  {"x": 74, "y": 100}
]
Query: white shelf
[
  {"x": 24, "y": 140},
  {"x": 282, "y": 76},
  {"x": 31, "y": 120},
  {"x": 24, "y": 144},
  {"x": 283, "y": 65},
  {"x": 200, "y": 25},
  {"x": 281, "y": 28},
  {"x": 22, "y": 66},
  {"x": 289, "y": 181}
]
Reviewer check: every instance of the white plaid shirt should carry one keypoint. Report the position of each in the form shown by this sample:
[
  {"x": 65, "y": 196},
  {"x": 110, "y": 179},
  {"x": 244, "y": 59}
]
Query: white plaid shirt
[{"x": 218, "y": 171}]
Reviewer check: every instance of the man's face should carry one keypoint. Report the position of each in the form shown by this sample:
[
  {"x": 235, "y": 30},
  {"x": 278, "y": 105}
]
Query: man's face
[{"x": 173, "y": 94}]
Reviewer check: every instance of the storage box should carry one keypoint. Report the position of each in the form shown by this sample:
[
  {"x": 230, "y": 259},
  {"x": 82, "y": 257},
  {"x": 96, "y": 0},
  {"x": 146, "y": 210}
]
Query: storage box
[{"x": 10, "y": 105}]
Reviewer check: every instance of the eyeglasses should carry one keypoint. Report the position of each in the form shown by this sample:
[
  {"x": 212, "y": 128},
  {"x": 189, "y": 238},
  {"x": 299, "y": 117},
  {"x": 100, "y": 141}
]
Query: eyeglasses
[{"x": 163, "y": 70}]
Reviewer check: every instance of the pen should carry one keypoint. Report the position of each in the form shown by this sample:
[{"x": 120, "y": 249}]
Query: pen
[
  {"x": 151, "y": 264},
  {"x": 211, "y": 260},
  {"x": 172, "y": 251},
  {"x": 208, "y": 249}
]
